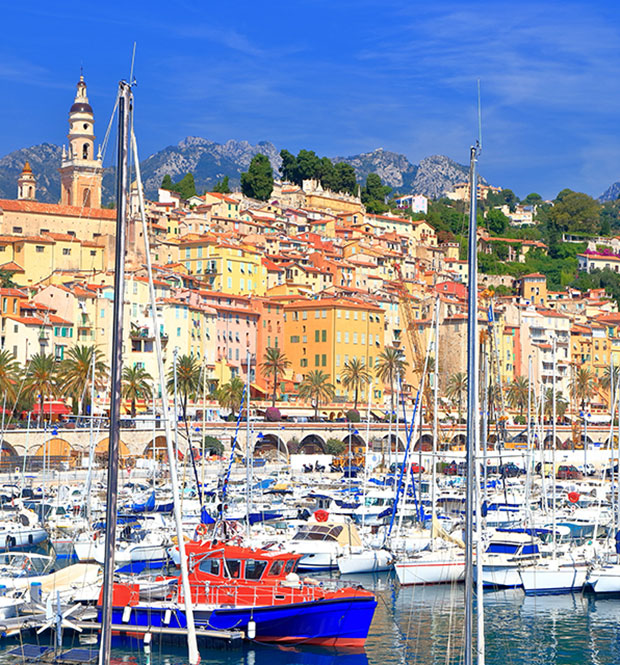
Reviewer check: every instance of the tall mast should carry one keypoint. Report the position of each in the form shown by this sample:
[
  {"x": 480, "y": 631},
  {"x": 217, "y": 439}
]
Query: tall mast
[
  {"x": 122, "y": 178},
  {"x": 472, "y": 403}
]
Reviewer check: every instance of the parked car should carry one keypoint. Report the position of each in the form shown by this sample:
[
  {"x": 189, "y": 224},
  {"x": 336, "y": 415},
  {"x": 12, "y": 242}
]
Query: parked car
[
  {"x": 510, "y": 470},
  {"x": 568, "y": 472},
  {"x": 415, "y": 467},
  {"x": 587, "y": 469}
]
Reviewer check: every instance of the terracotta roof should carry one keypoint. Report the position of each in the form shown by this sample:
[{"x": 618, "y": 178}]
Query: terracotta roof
[{"x": 56, "y": 209}]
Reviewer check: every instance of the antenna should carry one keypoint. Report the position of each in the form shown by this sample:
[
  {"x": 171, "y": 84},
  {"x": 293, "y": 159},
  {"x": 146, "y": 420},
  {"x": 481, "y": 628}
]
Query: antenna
[
  {"x": 479, "y": 119},
  {"x": 133, "y": 59}
]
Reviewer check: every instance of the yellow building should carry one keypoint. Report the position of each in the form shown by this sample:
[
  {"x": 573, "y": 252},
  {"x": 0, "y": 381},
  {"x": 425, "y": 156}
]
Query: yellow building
[
  {"x": 326, "y": 334},
  {"x": 533, "y": 288},
  {"x": 222, "y": 205}
]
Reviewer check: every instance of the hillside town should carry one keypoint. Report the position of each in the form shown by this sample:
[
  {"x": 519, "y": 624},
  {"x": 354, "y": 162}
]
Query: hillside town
[{"x": 311, "y": 274}]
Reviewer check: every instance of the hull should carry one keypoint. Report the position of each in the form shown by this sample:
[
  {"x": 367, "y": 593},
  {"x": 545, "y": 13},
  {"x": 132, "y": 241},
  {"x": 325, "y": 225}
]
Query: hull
[
  {"x": 430, "y": 571},
  {"x": 500, "y": 576},
  {"x": 368, "y": 561},
  {"x": 336, "y": 623},
  {"x": 318, "y": 561},
  {"x": 542, "y": 581},
  {"x": 605, "y": 580},
  {"x": 21, "y": 537}
]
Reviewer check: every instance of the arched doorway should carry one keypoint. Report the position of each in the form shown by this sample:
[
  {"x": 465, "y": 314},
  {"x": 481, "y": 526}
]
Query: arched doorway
[{"x": 312, "y": 444}]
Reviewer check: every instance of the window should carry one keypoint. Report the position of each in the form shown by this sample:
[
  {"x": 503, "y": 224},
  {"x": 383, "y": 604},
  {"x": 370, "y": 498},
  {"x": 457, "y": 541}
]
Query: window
[
  {"x": 304, "y": 315},
  {"x": 363, "y": 338},
  {"x": 337, "y": 360},
  {"x": 355, "y": 316},
  {"x": 17, "y": 229},
  {"x": 316, "y": 335},
  {"x": 323, "y": 313},
  {"x": 338, "y": 339},
  {"x": 254, "y": 569},
  {"x": 39, "y": 249},
  {"x": 346, "y": 337},
  {"x": 324, "y": 335},
  {"x": 294, "y": 339},
  {"x": 354, "y": 338},
  {"x": 94, "y": 253},
  {"x": 66, "y": 251},
  {"x": 276, "y": 568},
  {"x": 303, "y": 362},
  {"x": 316, "y": 360},
  {"x": 232, "y": 568},
  {"x": 323, "y": 360},
  {"x": 316, "y": 313},
  {"x": 346, "y": 315}
]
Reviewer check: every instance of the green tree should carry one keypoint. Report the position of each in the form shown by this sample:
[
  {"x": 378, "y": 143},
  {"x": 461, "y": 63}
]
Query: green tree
[
  {"x": 518, "y": 392},
  {"x": 390, "y": 366},
  {"x": 167, "y": 183},
  {"x": 355, "y": 376},
  {"x": 257, "y": 181},
  {"x": 136, "y": 383},
  {"x": 561, "y": 405},
  {"x": 532, "y": 199},
  {"x": 77, "y": 369},
  {"x": 187, "y": 379},
  {"x": 497, "y": 222},
  {"x": 10, "y": 375},
  {"x": 223, "y": 186},
  {"x": 335, "y": 447},
  {"x": 316, "y": 387},
  {"x": 6, "y": 279},
  {"x": 186, "y": 187},
  {"x": 457, "y": 389},
  {"x": 288, "y": 170},
  {"x": 230, "y": 395},
  {"x": 41, "y": 379},
  {"x": 326, "y": 173},
  {"x": 344, "y": 178},
  {"x": 374, "y": 193},
  {"x": 274, "y": 365},
  {"x": 584, "y": 385},
  {"x": 576, "y": 212},
  {"x": 308, "y": 166},
  {"x": 211, "y": 445}
]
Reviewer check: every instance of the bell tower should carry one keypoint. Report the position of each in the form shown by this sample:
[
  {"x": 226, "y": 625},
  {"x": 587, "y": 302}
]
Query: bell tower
[
  {"x": 80, "y": 170},
  {"x": 26, "y": 184}
]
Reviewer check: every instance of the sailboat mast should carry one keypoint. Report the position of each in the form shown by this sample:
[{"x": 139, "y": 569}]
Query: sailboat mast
[
  {"x": 472, "y": 404},
  {"x": 124, "y": 104}
]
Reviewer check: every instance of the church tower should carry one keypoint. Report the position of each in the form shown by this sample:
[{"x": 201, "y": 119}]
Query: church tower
[
  {"x": 80, "y": 170},
  {"x": 26, "y": 185}
]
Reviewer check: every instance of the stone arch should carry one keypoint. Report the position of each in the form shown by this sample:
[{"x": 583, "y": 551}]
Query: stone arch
[
  {"x": 459, "y": 440},
  {"x": 101, "y": 448},
  {"x": 312, "y": 444},
  {"x": 159, "y": 445},
  {"x": 8, "y": 450},
  {"x": 393, "y": 439},
  {"x": 55, "y": 447},
  {"x": 611, "y": 440},
  {"x": 425, "y": 442},
  {"x": 548, "y": 442},
  {"x": 356, "y": 440},
  {"x": 271, "y": 445}
]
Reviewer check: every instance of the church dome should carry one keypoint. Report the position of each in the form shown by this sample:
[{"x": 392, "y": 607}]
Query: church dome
[{"x": 81, "y": 107}]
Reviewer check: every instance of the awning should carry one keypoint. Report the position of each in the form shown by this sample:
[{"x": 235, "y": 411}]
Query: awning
[
  {"x": 55, "y": 408},
  {"x": 258, "y": 389},
  {"x": 290, "y": 413}
]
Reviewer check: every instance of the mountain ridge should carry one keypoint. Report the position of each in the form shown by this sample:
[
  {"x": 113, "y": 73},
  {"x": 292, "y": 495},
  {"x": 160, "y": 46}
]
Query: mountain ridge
[{"x": 210, "y": 161}]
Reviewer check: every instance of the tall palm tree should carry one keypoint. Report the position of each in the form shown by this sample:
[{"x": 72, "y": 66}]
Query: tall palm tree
[
  {"x": 355, "y": 375},
  {"x": 518, "y": 393},
  {"x": 187, "y": 380},
  {"x": 584, "y": 385},
  {"x": 136, "y": 383},
  {"x": 390, "y": 365},
  {"x": 457, "y": 389},
  {"x": 275, "y": 364},
  {"x": 316, "y": 387},
  {"x": 76, "y": 371},
  {"x": 561, "y": 405},
  {"x": 230, "y": 395},
  {"x": 10, "y": 374},
  {"x": 41, "y": 379}
]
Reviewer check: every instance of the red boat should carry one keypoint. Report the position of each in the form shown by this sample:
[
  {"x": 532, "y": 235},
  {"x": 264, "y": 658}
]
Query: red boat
[{"x": 258, "y": 592}]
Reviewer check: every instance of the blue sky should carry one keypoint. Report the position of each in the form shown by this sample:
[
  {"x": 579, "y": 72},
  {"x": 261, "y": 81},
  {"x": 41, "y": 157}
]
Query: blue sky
[{"x": 339, "y": 77}]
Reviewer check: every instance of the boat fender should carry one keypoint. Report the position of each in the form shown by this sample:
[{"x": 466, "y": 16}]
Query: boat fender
[
  {"x": 321, "y": 515},
  {"x": 573, "y": 497},
  {"x": 310, "y": 581},
  {"x": 251, "y": 632}
]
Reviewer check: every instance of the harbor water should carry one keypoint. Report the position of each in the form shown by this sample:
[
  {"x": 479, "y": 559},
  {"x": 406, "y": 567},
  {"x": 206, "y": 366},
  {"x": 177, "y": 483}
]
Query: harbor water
[{"x": 424, "y": 626}]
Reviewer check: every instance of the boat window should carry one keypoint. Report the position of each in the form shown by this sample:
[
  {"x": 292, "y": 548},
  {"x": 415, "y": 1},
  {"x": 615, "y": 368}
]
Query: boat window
[
  {"x": 318, "y": 533},
  {"x": 232, "y": 568},
  {"x": 530, "y": 549},
  {"x": 289, "y": 566},
  {"x": 254, "y": 569},
  {"x": 276, "y": 567},
  {"x": 502, "y": 548},
  {"x": 210, "y": 566}
]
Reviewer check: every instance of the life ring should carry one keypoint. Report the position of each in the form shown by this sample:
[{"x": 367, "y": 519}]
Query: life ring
[
  {"x": 201, "y": 530},
  {"x": 573, "y": 497},
  {"x": 321, "y": 515}
]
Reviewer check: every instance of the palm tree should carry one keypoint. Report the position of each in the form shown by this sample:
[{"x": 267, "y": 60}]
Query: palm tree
[
  {"x": 355, "y": 375},
  {"x": 584, "y": 385},
  {"x": 136, "y": 384},
  {"x": 457, "y": 389},
  {"x": 10, "y": 374},
  {"x": 41, "y": 379},
  {"x": 316, "y": 387},
  {"x": 390, "y": 364},
  {"x": 76, "y": 371},
  {"x": 607, "y": 383},
  {"x": 230, "y": 395},
  {"x": 275, "y": 364},
  {"x": 187, "y": 379},
  {"x": 518, "y": 393},
  {"x": 561, "y": 405}
]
